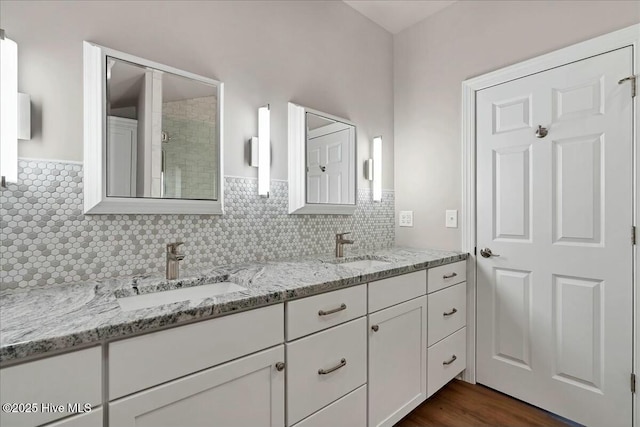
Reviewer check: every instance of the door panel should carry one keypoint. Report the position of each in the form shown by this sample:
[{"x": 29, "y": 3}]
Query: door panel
[
  {"x": 512, "y": 192},
  {"x": 555, "y": 307},
  {"x": 512, "y": 114},
  {"x": 512, "y": 319},
  {"x": 578, "y": 189},
  {"x": 578, "y": 101},
  {"x": 577, "y": 319}
]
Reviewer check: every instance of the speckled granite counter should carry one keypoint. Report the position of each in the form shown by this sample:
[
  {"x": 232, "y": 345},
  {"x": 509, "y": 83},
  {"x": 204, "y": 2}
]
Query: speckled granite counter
[{"x": 42, "y": 320}]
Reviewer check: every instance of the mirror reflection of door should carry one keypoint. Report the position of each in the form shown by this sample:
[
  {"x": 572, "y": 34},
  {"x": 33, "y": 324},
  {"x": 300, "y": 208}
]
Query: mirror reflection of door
[
  {"x": 172, "y": 124},
  {"x": 330, "y": 161}
]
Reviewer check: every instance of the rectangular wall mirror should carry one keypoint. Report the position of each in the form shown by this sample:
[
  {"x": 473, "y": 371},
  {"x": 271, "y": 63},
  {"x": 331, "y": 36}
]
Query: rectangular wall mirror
[
  {"x": 322, "y": 163},
  {"x": 153, "y": 137}
]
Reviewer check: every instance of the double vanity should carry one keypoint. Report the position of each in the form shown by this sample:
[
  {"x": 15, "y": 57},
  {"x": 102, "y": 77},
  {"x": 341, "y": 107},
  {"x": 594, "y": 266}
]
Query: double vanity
[
  {"x": 354, "y": 341},
  {"x": 336, "y": 341}
]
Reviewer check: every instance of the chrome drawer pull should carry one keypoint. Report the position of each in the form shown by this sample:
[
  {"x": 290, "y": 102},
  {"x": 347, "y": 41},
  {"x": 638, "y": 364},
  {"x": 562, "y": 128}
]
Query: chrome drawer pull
[
  {"x": 449, "y": 276},
  {"x": 450, "y": 361},
  {"x": 342, "y": 363},
  {"x": 335, "y": 310},
  {"x": 452, "y": 312}
]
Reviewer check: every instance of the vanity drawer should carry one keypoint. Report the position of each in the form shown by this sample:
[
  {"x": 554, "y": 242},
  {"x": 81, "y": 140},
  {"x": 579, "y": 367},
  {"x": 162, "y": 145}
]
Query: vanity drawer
[
  {"x": 394, "y": 290},
  {"x": 447, "y": 312},
  {"x": 59, "y": 380},
  {"x": 446, "y": 360},
  {"x": 141, "y": 362},
  {"x": 446, "y": 275},
  {"x": 308, "y": 315},
  {"x": 341, "y": 354},
  {"x": 350, "y": 411}
]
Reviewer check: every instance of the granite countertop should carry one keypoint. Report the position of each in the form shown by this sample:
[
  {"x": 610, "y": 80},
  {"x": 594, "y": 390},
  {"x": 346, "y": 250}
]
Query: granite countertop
[{"x": 41, "y": 320}]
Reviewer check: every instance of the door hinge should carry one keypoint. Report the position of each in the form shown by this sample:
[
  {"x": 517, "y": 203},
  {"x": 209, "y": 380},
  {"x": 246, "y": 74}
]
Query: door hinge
[
  {"x": 633, "y": 383},
  {"x": 633, "y": 234},
  {"x": 632, "y": 79}
]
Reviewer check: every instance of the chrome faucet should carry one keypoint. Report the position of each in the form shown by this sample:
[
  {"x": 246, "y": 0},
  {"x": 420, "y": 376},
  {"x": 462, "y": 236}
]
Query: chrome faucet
[
  {"x": 173, "y": 260},
  {"x": 340, "y": 242}
]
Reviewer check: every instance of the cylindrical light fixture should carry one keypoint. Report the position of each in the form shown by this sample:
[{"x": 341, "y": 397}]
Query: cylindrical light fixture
[
  {"x": 8, "y": 109},
  {"x": 264, "y": 150},
  {"x": 377, "y": 168}
]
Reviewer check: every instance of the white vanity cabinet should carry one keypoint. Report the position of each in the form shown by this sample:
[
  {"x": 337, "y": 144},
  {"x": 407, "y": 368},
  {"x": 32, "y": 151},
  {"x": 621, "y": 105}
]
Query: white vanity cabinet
[
  {"x": 397, "y": 348},
  {"x": 47, "y": 387},
  {"x": 227, "y": 371},
  {"x": 365, "y": 355},
  {"x": 247, "y": 392},
  {"x": 327, "y": 369},
  {"x": 447, "y": 306}
]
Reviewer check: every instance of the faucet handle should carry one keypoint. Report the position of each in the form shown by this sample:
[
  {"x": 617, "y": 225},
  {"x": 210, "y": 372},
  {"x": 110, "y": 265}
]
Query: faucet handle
[
  {"x": 341, "y": 235},
  {"x": 173, "y": 247}
]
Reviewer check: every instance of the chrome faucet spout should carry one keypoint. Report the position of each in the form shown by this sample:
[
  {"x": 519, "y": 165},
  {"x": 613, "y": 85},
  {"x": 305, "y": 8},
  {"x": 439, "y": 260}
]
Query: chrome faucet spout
[
  {"x": 340, "y": 242},
  {"x": 173, "y": 260}
]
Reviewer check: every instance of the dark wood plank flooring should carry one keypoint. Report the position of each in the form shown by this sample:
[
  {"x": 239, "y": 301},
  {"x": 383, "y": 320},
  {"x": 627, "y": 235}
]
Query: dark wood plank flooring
[{"x": 460, "y": 404}]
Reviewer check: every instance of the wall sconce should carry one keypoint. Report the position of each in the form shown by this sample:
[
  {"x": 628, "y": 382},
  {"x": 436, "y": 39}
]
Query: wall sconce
[
  {"x": 377, "y": 169},
  {"x": 261, "y": 150},
  {"x": 15, "y": 111},
  {"x": 8, "y": 109}
]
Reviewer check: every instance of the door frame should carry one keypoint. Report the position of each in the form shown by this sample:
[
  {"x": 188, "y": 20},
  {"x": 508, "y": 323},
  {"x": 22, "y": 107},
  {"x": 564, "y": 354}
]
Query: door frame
[{"x": 629, "y": 36}]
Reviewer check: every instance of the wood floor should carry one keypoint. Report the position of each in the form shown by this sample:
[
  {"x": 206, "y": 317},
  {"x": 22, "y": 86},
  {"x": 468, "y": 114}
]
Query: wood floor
[{"x": 460, "y": 404}]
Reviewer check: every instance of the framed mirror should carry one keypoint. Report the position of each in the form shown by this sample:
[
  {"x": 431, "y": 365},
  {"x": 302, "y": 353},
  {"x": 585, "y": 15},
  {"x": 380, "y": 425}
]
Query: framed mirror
[
  {"x": 322, "y": 163},
  {"x": 153, "y": 137}
]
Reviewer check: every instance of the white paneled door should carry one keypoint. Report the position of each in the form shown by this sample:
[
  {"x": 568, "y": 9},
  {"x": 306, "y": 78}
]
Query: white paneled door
[
  {"x": 328, "y": 168},
  {"x": 555, "y": 298}
]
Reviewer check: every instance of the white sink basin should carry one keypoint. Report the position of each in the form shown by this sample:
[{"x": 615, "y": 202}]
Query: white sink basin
[
  {"x": 364, "y": 263},
  {"x": 192, "y": 293}
]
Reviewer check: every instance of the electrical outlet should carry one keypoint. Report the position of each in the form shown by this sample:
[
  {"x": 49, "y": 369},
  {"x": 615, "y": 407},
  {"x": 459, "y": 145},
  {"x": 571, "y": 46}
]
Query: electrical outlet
[
  {"x": 452, "y": 219},
  {"x": 406, "y": 218}
]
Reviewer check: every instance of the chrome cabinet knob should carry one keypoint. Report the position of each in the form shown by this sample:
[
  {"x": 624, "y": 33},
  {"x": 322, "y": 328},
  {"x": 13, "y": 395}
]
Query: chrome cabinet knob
[
  {"x": 280, "y": 366},
  {"x": 375, "y": 328},
  {"x": 486, "y": 253}
]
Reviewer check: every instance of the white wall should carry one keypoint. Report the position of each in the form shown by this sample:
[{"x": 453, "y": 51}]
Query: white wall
[
  {"x": 433, "y": 57},
  {"x": 322, "y": 54}
]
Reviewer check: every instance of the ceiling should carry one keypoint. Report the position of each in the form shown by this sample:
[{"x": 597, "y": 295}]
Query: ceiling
[
  {"x": 125, "y": 81},
  {"x": 396, "y": 15}
]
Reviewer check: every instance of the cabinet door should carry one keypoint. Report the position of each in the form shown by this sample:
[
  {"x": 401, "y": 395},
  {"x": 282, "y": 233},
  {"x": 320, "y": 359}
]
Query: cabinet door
[
  {"x": 248, "y": 392},
  {"x": 89, "y": 419},
  {"x": 397, "y": 361}
]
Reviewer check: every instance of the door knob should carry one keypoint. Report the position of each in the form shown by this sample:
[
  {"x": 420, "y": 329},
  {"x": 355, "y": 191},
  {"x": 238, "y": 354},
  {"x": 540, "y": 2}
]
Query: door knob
[
  {"x": 486, "y": 253},
  {"x": 541, "y": 132}
]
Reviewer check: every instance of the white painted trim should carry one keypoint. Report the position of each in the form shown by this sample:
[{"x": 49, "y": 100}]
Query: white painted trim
[
  {"x": 629, "y": 36},
  {"x": 297, "y": 143},
  {"x": 36, "y": 159},
  {"x": 96, "y": 200},
  {"x": 325, "y": 209}
]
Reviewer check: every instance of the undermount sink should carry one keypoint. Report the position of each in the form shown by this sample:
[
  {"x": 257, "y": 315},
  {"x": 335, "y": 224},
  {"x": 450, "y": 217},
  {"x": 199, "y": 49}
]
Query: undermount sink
[
  {"x": 361, "y": 261},
  {"x": 192, "y": 293},
  {"x": 365, "y": 263}
]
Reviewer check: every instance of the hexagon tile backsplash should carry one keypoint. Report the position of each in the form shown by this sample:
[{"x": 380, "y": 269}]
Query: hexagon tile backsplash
[{"x": 46, "y": 239}]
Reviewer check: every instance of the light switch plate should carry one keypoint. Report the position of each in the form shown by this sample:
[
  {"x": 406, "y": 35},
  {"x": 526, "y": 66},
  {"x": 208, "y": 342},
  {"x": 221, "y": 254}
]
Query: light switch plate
[
  {"x": 406, "y": 218},
  {"x": 452, "y": 219}
]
